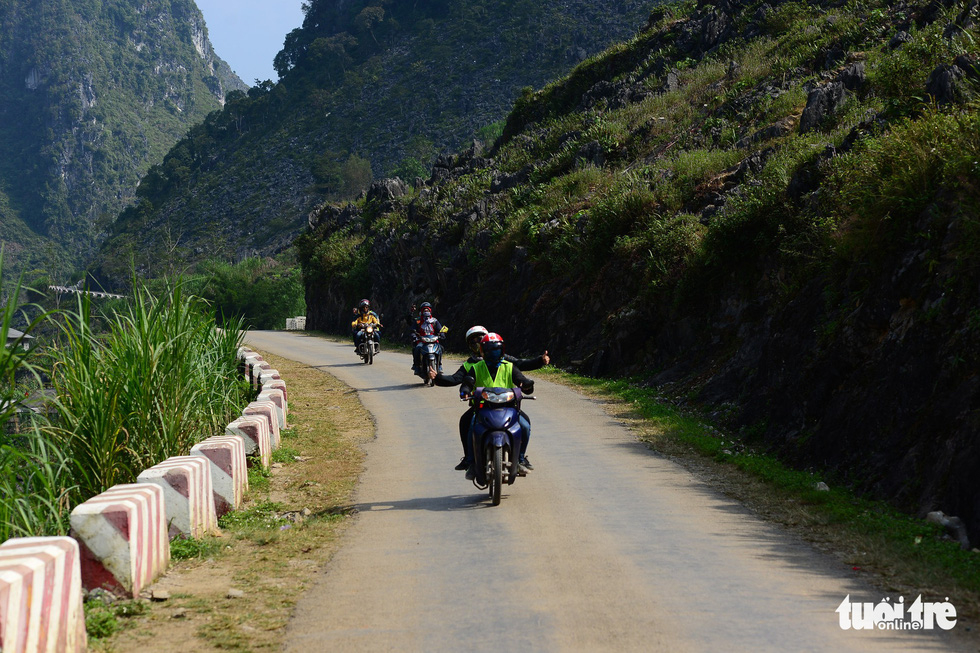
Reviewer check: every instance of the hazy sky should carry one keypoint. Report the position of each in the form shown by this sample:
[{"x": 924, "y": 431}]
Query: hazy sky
[{"x": 248, "y": 34}]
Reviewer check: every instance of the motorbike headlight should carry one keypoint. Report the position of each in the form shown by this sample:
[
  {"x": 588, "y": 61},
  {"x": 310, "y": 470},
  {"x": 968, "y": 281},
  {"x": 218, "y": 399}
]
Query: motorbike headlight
[{"x": 498, "y": 395}]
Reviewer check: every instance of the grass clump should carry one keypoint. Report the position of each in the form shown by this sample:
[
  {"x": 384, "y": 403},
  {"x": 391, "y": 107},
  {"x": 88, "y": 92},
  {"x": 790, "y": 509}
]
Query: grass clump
[
  {"x": 160, "y": 381},
  {"x": 882, "y": 187},
  {"x": 184, "y": 548},
  {"x": 103, "y": 620}
]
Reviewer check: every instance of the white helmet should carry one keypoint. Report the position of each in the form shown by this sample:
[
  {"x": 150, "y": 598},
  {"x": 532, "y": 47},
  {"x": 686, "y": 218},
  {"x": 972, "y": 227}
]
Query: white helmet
[{"x": 474, "y": 336}]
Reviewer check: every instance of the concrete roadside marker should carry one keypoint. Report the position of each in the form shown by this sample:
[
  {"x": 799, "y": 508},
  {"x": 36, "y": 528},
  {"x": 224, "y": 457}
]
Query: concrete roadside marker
[
  {"x": 256, "y": 432},
  {"x": 268, "y": 410},
  {"x": 58, "y": 619},
  {"x": 122, "y": 538},
  {"x": 277, "y": 397},
  {"x": 188, "y": 494},
  {"x": 229, "y": 474}
]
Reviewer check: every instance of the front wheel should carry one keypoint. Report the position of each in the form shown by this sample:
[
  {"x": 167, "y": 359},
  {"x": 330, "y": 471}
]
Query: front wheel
[
  {"x": 369, "y": 356},
  {"x": 496, "y": 475}
]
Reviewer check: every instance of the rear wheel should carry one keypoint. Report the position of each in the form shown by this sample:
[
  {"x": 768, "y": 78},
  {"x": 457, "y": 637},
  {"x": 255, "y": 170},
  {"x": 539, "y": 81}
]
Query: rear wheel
[{"x": 496, "y": 476}]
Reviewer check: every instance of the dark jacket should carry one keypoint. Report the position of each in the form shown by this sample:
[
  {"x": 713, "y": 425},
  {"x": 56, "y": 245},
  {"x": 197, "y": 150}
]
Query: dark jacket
[{"x": 449, "y": 381}]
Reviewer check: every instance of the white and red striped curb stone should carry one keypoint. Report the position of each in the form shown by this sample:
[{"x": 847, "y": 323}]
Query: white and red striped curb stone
[
  {"x": 276, "y": 384},
  {"x": 21, "y": 581},
  {"x": 51, "y": 619},
  {"x": 122, "y": 537},
  {"x": 187, "y": 492},
  {"x": 253, "y": 363},
  {"x": 277, "y": 397},
  {"x": 229, "y": 475},
  {"x": 255, "y": 431},
  {"x": 265, "y": 370},
  {"x": 269, "y": 411}
]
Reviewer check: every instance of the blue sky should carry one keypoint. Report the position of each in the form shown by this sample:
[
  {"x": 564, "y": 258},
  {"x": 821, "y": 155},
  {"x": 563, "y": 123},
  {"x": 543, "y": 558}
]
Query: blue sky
[{"x": 249, "y": 33}]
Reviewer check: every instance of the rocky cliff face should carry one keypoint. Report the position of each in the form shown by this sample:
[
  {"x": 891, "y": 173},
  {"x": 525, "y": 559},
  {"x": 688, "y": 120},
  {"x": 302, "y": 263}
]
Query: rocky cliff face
[
  {"x": 389, "y": 84},
  {"x": 748, "y": 207},
  {"x": 93, "y": 93}
]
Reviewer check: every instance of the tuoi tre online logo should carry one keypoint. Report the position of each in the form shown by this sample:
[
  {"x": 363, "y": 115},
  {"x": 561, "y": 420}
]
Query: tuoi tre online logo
[{"x": 920, "y": 615}]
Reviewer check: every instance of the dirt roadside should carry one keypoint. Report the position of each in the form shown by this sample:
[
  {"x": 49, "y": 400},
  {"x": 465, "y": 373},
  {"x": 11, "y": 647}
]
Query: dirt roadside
[{"x": 240, "y": 592}]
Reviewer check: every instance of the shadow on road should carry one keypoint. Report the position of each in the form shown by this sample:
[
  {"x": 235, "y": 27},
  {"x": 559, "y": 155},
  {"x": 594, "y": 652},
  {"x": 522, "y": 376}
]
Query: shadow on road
[
  {"x": 434, "y": 504},
  {"x": 400, "y": 386}
]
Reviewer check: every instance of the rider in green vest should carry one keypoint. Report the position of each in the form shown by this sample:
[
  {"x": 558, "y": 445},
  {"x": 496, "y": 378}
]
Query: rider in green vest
[
  {"x": 473, "y": 337},
  {"x": 492, "y": 370}
]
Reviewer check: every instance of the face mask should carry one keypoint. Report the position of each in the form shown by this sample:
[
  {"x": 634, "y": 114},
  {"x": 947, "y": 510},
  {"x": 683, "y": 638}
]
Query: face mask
[{"x": 493, "y": 356}]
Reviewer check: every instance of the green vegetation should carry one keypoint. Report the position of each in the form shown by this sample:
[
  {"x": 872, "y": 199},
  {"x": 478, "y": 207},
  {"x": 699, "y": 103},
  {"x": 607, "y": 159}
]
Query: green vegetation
[
  {"x": 184, "y": 548},
  {"x": 367, "y": 88},
  {"x": 259, "y": 294},
  {"x": 95, "y": 91},
  {"x": 161, "y": 379},
  {"x": 102, "y": 620},
  {"x": 635, "y": 179}
]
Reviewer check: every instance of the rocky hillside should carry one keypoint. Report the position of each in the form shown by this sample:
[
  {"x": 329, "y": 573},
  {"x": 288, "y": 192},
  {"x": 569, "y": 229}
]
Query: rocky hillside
[
  {"x": 94, "y": 92},
  {"x": 367, "y": 88},
  {"x": 768, "y": 208}
]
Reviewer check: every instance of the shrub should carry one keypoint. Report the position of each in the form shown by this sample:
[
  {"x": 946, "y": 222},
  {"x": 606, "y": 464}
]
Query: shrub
[
  {"x": 259, "y": 292},
  {"x": 877, "y": 190}
]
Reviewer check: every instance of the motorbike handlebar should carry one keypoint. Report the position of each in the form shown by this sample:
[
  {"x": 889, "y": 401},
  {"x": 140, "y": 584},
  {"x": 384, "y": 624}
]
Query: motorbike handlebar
[{"x": 469, "y": 397}]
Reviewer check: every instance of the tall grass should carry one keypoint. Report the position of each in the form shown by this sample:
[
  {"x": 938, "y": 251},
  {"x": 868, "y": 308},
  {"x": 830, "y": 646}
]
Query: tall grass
[
  {"x": 32, "y": 492},
  {"x": 34, "y": 495},
  {"x": 17, "y": 357},
  {"x": 162, "y": 379}
]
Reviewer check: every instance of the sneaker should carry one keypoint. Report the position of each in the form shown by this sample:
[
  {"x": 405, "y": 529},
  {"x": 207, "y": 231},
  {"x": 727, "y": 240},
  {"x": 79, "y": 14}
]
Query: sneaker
[
  {"x": 463, "y": 464},
  {"x": 471, "y": 473},
  {"x": 526, "y": 463}
]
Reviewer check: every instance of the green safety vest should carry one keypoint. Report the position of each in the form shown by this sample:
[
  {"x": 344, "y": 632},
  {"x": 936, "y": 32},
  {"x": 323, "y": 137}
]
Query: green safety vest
[{"x": 503, "y": 379}]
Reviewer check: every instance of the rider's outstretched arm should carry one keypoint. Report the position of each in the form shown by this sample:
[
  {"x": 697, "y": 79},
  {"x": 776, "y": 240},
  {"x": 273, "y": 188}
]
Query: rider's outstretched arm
[
  {"x": 526, "y": 384},
  {"x": 451, "y": 380},
  {"x": 526, "y": 364}
]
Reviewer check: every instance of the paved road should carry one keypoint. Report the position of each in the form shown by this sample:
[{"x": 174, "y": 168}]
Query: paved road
[{"x": 604, "y": 547}]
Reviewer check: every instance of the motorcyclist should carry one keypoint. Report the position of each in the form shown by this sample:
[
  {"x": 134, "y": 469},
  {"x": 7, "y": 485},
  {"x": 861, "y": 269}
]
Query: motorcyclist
[
  {"x": 490, "y": 370},
  {"x": 425, "y": 325},
  {"x": 364, "y": 316},
  {"x": 473, "y": 337}
]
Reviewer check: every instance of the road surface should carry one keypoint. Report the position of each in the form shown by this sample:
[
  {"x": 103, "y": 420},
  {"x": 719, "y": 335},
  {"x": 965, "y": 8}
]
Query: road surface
[{"x": 603, "y": 547}]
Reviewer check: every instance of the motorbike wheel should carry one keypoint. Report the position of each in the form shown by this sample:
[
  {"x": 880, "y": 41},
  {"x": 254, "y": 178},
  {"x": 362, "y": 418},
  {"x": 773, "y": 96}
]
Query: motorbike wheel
[
  {"x": 369, "y": 354},
  {"x": 430, "y": 364},
  {"x": 496, "y": 480}
]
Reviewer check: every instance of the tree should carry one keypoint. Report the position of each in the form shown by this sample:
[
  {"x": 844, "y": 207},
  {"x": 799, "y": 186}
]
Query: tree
[
  {"x": 357, "y": 175},
  {"x": 368, "y": 18}
]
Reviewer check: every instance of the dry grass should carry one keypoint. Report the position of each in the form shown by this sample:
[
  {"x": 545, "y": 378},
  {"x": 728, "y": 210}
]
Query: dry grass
[{"x": 263, "y": 552}]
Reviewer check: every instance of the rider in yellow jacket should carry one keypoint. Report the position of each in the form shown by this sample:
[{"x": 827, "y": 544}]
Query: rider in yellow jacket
[{"x": 365, "y": 316}]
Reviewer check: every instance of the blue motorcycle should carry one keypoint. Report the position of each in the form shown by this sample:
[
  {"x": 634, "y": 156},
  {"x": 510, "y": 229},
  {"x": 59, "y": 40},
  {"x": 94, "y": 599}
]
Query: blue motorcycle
[{"x": 497, "y": 436}]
